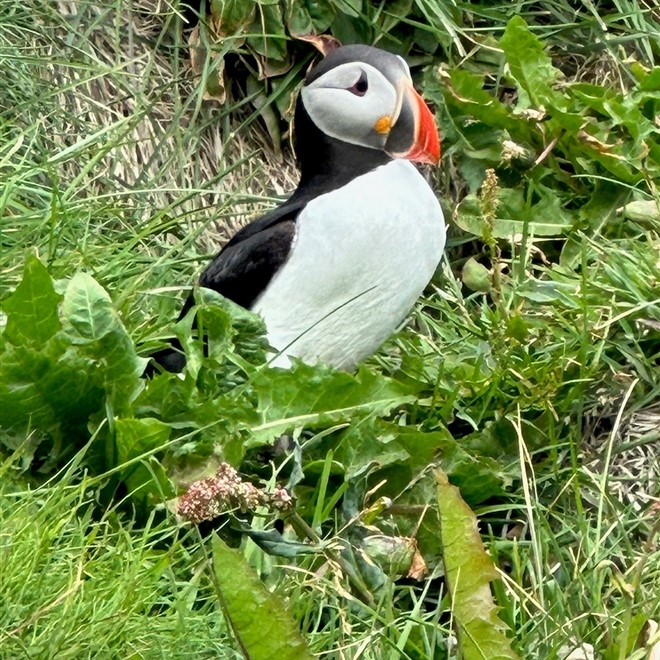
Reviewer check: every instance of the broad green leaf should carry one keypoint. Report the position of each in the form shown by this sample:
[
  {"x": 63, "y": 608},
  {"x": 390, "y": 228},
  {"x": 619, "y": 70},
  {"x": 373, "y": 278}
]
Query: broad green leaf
[
  {"x": 121, "y": 368},
  {"x": 497, "y": 441},
  {"x": 90, "y": 322},
  {"x": 56, "y": 386},
  {"x": 517, "y": 328},
  {"x": 48, "y": 387},
  {"x": 464, "y": 93},
  {"x": 479, "y": 477},
  {"x": 261, "y": 624},
  {"x": 271, "y": 40},
  {"x": 406, "y": 451},
  {"x": 230, "y": 327},
  {"x": 216, "y": 417},
  {"x": 469, "y": 571},
  {"x": 643, "y": 211},
  {"x": 298, "y": 21},
  {"x": 400, "y": 456},
  {"x": 543, "y": 291},
  {"x": 628, "y": 638},
  {"x": 146, "y": 480},
  {"x": 322, "y": 12},
  {"x": 397, "y": 11},
  {"x": 530, "y": 65},
  {"x": 602, "y": 208},
  {"x": 232, "y": 17},
  {"x": 649, "y": 79},
  {"x": 514, "y": 217},
  {"x": 351, "y": 8},
  {"x": 87, "y": 310},
  {"x": 366, "y": 446},
  {"x": 476, "y": 276},
  {"x": 350, "y": 29},
  {"x": 32, "y": 308},
  {"x": 215, "y": 402}
]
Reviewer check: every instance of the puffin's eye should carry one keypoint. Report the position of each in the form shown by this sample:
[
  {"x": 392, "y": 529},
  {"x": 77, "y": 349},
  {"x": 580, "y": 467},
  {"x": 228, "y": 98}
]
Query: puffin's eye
[{"x": 361, "y": 86}]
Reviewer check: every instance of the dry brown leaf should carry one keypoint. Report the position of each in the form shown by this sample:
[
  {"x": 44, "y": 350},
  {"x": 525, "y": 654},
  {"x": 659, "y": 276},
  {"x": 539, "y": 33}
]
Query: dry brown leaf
[
  {"x": 594, "y": 142},
  {"x": 418, "y": 569},
  {"x": 214, "y": 83},
  {"x": 324, "y": 43}
]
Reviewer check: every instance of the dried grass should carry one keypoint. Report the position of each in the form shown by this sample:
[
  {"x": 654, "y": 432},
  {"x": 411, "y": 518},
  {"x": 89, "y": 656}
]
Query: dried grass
[
  {"x": 634, "y": 470},
  {"x": 131, "y": 69}
]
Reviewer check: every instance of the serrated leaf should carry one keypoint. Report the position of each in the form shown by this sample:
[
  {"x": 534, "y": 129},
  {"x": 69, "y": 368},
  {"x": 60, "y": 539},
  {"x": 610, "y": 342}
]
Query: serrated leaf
[
  {"x": 400, "y": 457},
  {"x": 32, "y": 308},
  {"x": 229, "y": 326},
  {"x": 311, "y": 396},
  {"x": 367, "y": 446},
  {"x": 469, "y": 571},
  {"x": 529, "y": 64},
  {"x": 479, "y": 477},
  {"x": 263, "y": 627},
  {"x": 464, "y": 92}
]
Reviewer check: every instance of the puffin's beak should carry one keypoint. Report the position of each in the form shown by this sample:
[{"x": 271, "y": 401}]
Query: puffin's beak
[
  {"x": 426, "y": 147},
  {"x": 415, "y": 120}
]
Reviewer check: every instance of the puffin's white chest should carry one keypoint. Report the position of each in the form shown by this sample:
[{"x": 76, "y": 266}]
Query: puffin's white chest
[{"x": 362, "y": 255}]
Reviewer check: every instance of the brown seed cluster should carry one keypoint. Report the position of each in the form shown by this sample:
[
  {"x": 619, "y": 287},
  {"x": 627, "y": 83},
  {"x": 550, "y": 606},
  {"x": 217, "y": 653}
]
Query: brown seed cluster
[{"x": 207, "y": 498}]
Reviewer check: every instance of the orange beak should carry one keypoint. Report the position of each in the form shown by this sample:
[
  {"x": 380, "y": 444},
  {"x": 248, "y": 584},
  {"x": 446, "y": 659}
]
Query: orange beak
[
  {"x": 411, "y": 121},
  {"x": 426, "y": 147}
]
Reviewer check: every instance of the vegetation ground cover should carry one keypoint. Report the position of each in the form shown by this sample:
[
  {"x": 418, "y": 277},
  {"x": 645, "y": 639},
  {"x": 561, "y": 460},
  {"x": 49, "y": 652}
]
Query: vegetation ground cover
[{"x": 528, "y": 374}]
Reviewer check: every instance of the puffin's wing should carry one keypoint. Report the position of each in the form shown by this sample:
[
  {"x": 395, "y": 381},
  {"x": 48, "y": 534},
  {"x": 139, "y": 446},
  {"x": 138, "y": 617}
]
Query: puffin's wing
[
  {"x": 245, "y": 266},
  {"x": 241, "y": 270}
]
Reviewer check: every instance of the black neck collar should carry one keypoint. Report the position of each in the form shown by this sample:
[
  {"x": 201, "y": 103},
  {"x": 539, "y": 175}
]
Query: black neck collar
[{"x": 325, "y": 162}]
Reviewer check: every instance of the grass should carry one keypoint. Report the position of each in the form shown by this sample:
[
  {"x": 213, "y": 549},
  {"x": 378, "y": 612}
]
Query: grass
[
  {"x": 79, "y": 582},
  {"x": 112, "y": 163}
]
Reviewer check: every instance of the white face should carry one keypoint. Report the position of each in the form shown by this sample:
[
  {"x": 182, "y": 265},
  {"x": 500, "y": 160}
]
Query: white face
[{"x": 354, "y": 102}]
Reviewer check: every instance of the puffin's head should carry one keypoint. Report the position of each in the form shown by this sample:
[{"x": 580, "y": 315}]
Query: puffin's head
[{"x": 364, "y": 96}]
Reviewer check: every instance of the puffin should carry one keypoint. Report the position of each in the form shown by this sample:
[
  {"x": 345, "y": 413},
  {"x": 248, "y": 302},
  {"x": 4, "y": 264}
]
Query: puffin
[{"x": 336, "y": 268}]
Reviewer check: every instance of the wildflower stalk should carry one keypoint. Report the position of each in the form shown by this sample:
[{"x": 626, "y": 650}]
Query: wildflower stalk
[{"x": 489, "y": 202}]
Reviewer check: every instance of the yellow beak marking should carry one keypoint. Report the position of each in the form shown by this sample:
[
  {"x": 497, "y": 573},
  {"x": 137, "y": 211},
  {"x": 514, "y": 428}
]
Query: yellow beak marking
[{"x": 383, "y": 125}]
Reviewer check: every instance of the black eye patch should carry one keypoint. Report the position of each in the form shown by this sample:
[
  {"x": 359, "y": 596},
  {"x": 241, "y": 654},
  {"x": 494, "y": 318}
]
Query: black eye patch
[{"x": 361, "y": 86}]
